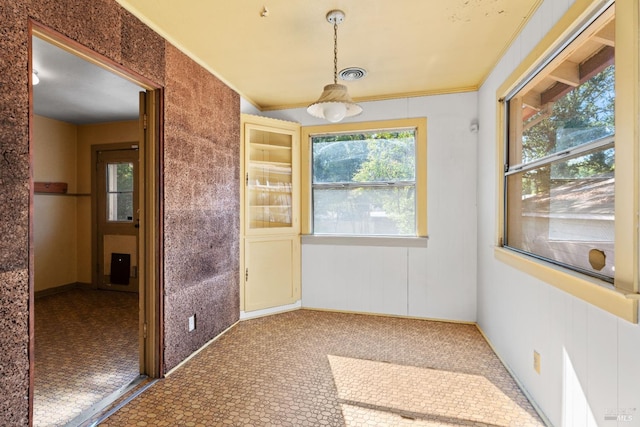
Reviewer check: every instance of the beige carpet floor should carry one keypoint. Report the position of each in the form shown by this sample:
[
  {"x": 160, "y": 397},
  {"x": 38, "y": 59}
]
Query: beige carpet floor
[
  {"x": 311, "y": 368},
  {"x": 86, "y": 347}
]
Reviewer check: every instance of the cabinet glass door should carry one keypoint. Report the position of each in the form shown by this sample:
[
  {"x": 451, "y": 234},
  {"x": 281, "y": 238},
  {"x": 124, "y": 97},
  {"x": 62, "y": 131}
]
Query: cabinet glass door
[{"x": 269, "y": 179}]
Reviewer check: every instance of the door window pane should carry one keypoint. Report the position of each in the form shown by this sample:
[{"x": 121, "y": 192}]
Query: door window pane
[{"x": 120, "y": 192}]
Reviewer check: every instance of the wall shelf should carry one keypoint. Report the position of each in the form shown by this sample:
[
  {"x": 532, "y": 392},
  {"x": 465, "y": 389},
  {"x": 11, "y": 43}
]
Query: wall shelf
[
  {"x": 55, "y": 189},
  {"x": 41, "y": 193},
  {"x": 50, "y": 187}
]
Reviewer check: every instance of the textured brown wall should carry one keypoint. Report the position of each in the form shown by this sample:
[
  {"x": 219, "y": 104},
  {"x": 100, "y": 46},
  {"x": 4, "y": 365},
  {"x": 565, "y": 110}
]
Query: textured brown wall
[
  {"x": 202, "y": 135},
  {"x": 200, "y": 174}
]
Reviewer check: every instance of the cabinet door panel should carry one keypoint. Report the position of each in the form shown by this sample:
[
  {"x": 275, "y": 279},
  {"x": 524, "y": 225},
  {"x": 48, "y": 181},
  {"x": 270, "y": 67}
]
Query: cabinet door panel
[{"x": 270, "y": 279}]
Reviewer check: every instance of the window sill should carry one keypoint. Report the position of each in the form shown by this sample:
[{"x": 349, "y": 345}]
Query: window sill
[
  {"x": 388, "y": 241},
  {"x": 591, "y": 290}
]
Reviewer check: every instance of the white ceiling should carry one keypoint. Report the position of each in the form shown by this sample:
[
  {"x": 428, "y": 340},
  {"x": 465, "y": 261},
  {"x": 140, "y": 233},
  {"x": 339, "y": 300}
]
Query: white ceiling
[{"x": 76, "y": 91}]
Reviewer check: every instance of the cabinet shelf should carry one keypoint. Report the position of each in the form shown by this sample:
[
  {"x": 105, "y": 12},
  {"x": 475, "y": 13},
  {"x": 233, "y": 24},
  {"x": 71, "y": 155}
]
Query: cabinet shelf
[
  {"x": 272, "y": 224},
  {"x": 262, "y": 164},
  {"x": 274, "y": 207},
  {"x": 270, "y": 188},
  {"x": 268, "y": 147}
]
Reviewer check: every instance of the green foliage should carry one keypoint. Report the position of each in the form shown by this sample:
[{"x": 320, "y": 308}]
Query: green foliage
[
  {"x": 583, "y": 115},
  {"x": 123, "y": 192},
  {"x": 586, "y": 113},
  {"x": 388, "y": 160}
]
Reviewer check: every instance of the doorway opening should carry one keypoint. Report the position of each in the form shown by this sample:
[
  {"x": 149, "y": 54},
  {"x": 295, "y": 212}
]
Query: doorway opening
[{"x": 95, "y": 219}]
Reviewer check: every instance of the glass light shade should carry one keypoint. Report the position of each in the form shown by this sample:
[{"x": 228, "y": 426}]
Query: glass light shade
[
  {"x": 334, "y": 104},
  {"x": 334, "y": 111}
]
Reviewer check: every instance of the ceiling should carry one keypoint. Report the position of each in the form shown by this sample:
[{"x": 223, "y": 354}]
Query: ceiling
[
  {"x": 76, "y": 91},
  {"x": 284, "y": 58}
]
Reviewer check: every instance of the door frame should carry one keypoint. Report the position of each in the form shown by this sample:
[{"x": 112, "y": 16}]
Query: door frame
[{"x": 151, "y": 203}]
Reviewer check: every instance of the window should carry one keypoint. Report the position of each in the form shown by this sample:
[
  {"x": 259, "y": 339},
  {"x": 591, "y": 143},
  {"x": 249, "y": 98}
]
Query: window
[
  {"x": 120, "y": 192},
  {"x": 366, "y": 179},
  {"x": 561, "y": 147},
  {"x": 568, "y": 150}
]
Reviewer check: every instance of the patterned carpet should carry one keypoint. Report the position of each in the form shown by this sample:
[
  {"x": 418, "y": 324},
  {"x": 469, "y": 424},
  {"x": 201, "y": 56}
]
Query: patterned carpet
[
  {"x": 86, "y": 347},
  {"x": 310, "y": 368}
]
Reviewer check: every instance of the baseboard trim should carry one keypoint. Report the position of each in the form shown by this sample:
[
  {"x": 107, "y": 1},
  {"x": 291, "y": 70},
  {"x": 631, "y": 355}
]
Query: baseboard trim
[
  {"x": 398, "y": 316},
  {"x": 192, "y": 355},
  {"x": 247, "y": 315},
  {"x": 60, "y": 289}
]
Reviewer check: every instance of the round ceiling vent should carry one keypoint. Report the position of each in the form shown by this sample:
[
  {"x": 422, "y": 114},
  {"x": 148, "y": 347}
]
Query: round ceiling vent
[{"x": 352, "y": 73}]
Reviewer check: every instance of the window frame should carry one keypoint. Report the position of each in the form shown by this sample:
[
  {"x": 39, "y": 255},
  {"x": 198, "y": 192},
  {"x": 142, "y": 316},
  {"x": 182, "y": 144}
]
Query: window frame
[
  {"x": 621, "y": 297},
  {"x": 420, "y": 126}
]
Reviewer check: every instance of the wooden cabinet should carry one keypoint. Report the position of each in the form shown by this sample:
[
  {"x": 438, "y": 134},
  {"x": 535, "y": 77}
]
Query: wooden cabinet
[
  {"x": 272, "y": 274},
  {"x": 270, "y": 209}
]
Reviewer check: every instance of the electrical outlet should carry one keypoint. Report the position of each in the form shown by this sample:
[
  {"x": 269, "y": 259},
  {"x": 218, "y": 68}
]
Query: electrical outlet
[
  {"x": 192, "y": 323},
  {"x": 536, "y": 361}
]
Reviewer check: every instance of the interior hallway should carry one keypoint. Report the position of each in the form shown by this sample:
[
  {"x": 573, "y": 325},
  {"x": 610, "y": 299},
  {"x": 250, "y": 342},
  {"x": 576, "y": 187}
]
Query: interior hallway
[
  {"x": 312, "y": 368},
  {"x": 86, "y": 345}
]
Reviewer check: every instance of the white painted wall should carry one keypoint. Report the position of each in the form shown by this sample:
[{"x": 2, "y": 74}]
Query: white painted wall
[
  {"x": 248, "y": 108},
  {"x": 590, "y": 360},
  {"x": 434, "y": 282}
]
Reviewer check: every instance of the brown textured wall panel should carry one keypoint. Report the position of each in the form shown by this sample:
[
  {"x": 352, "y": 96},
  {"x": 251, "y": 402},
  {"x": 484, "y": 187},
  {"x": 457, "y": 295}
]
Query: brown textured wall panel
[
  {"x": 201, "y": 137},
  {"x": 14, "y": 357},
  {"x": 142, "y": 49},
  {"x": 94, "y": 23},
  {"x": 14, "y": 216}
]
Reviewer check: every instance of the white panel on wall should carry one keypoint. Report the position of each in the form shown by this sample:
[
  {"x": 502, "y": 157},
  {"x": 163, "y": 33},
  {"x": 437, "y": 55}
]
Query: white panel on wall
[
  {"x": 552, "y": 333},
  {"x": 248, "y": 108},
  {"x": 366, "y": 279},
  {"x": 418, "y": 294},
  {"x": 602, "y": 365},
  {"x": 576, "y": 409},
  {"x": 628, "y": 373}
]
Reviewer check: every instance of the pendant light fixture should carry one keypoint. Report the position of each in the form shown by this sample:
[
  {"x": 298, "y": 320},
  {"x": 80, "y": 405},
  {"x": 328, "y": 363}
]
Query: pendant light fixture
[{"x": 335, "y": 103}]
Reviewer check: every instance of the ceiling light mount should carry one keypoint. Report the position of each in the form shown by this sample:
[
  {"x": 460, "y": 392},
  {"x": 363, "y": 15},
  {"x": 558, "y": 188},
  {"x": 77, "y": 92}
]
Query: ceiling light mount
[
  {"x": 335, "y": 103},
  {"x": 335, "y": 17}
]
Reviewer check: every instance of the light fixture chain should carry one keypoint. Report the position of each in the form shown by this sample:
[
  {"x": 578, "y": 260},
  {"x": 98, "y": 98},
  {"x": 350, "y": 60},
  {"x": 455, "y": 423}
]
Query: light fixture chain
[{"x": 335, "y": 52}]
